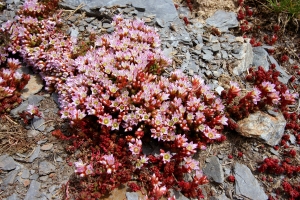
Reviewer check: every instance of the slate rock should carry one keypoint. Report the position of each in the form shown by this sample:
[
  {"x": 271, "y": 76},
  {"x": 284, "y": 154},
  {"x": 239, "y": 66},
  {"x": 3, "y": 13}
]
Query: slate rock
[
  {"x": 261, "y": 125},
  {"x": 33, "y": 190},
  {"x": 163, "y": 9},
  {"x": 260, "y": 57},
  {"x": 213, "y": 170},
  {"x": 245, "y": 61},
  {"x": 160, "y": 22},
  {"x": 223, "y": 20},
  {"x": 10, "y": 178},
  {"x": 25, "y": 174},
  {"x": 35, "y": 153},
  {"x": 74, "y": 32},
  {"x": 46, "y": 168},
  {"x": 132, "y": 196},
  {"x": 34, "y": 85},
  {"x": 178, "y": 195},
  {"x": 23, "y": 106},
  {"x": 283, "y": 77},
  {"x": 32, "y": 133},
  {"x": 35, "y": 100},
  {"x": 14, "y": 196},
  {"x": 38, "y": 123},
  {"x": 216, "y": 47},
  {"x": 246, "y": 184},
  {"x": 7, "y": 163}
]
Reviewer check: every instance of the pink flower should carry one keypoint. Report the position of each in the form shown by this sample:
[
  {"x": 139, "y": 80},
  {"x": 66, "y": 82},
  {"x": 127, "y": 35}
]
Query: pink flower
[
  {"x": 255, "y": 95},
  {"x": 33, "y": 110},
  {"x": 268, "y": 87},
  {"x": 135, "y": 147},
  {"x": 166, "y": 157},
  {"x": 274, "y": 97},
  {"x": 140, "y": 162},
  {"x": 106, "y": 120},
  {"x": 191, "y": 164},
  {"x": 180, "y": 140},
  {"x": 234, "y": 88},
  {"x": 159, "y": 191},
  {"x": 109, "y": 162},
  {"x": 211, "y": 133},
  {"x": 190, "y": 147},
  {"x": 82, "y": 169}
]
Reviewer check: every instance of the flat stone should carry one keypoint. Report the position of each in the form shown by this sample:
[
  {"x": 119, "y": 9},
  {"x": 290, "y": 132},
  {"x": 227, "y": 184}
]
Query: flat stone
[
  {"x": 34, "y": 85},
  {"x": 283, "y": 77},
  {"x": 246, "y": 184},
  {"x": 47, "y": 147},
  {"x": 216, "y": 47},
  {"x": 38, "y": 123},
  {"x": 32, "y": 133},
  {"x": 35, "y": 153},
  {"x": 44, "y": 178},
  {"x": 25, "y": 173},
  {"x": 10, "y": 177},
  {"x": 245, "y": 61},
  {"x": 106, "y": 25},
  {"x": 33, "y": 190},
  {"x": 7, "y": 163},
  {"x": 74, "y": 32},
  {"x": 178, "y": 195},
  {"x": 34, "y": 177},
  {"x": 160, "y": 22},
  {"x": 223, "y": 20},
  {"x": 213, "y": 170},
  {"x": 35, "y": 99},
  {"x": 23, "y": 106},
  {"x": 261, "y": 125},
  {"x": 46, "y": 168},
  {"x": 132, "y": 196},
  {"x": 219, "y": 89},
  {"x": 163, "y": 9},
  {"x": 14, "y": 196},
  {"x": 260, "y": 57}
]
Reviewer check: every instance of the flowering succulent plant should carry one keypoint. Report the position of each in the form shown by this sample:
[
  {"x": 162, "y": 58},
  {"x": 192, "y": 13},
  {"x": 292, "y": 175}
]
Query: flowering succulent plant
[
  {"x": 11, "y": 84},
  {"x": 116, "y": 100}
]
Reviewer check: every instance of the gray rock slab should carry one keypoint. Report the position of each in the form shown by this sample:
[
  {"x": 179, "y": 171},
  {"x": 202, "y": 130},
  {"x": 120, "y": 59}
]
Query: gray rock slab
[
  {"x": 213, "y": 170},
  {"x": 14, "y": 196},
  {"x": 25, "y": 174},
  {"x": 264, "y": 126},
  {"x": 132, "y": 196},
  {"x": 35, "y": 153},
  {"x": 34, "y": 85},
  {"x": 38, "y": 123},
  {"x": 178, "y": 195},
  {"x": 284, "y": 77},
  {"x": 46, "y": 168},
  {"x": 260, "y": 57},
  {"x": 223, "y": 20},
  {"x": 7, "y": 163},
  {"x": 10, "y": 177},
  {"x": 33, "y": 190},
  {"x": 246, "y": 184},
  {"x": 35, "y": 99},
  {"x": 162, "y": 9},
  {"x": 246, "y": 59},
  {"x": 23, "y": 106}
]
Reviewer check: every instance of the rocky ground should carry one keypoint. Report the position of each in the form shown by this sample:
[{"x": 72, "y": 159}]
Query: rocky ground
[{"x": 35, "y": 165}]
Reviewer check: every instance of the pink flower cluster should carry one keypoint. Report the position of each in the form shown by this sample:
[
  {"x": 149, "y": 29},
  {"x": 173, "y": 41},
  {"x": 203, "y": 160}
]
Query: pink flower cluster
[
  {"x": 40, "y": 43},
  {"x": 83, "y": 169},
  {"x": 117, "y": 83},
  {"x": 11, "y": 84}
]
